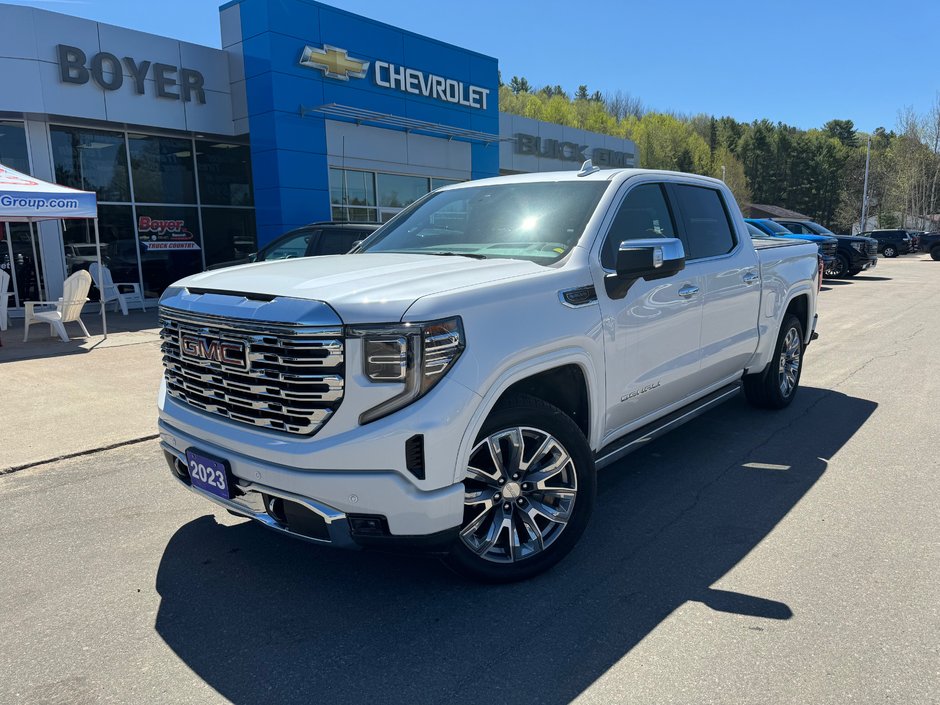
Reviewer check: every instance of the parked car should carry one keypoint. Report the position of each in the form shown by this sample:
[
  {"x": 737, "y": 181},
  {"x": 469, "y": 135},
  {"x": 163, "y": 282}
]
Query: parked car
[
  {"x": 854, "y": 253},
  {"x": 930, "y": 242},
  {"x": 891, "y": 243},
  {"x": 79, "y": 255},
  {"x": 327, "y": 238},
  {"x": 828, "y": 246},
  {"x": 454, "y": 383}
]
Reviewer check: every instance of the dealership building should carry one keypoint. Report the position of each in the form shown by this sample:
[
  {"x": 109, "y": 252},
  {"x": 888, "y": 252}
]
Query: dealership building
[{"x": 199, "y": 155}]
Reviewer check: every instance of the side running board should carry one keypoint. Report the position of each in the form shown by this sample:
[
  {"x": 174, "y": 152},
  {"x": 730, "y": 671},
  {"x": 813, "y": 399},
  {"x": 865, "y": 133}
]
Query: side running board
[{"x": 635, "y": 440}]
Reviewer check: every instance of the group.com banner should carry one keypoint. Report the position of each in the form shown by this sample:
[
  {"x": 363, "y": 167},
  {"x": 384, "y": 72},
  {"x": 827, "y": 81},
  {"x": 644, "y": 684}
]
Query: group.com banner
[{"x": 19, "y": 205}]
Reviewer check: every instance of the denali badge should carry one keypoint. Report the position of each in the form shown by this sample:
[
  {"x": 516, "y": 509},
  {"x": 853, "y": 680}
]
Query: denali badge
[{"x": 225, "y": 352}]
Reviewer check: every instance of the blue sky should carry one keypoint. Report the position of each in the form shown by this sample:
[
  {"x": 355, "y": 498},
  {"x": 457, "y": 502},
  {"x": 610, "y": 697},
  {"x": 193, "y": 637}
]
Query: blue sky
[{"x": 802, "y": 62}]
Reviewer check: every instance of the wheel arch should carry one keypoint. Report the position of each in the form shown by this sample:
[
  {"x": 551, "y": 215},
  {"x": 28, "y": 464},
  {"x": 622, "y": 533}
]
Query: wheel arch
[
  {"x": 542, "y": 379},
  {"x": 799, "y": 307}
]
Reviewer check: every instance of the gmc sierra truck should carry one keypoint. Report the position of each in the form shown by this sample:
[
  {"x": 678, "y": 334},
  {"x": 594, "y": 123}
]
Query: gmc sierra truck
[{"x": 456, "y": 381}]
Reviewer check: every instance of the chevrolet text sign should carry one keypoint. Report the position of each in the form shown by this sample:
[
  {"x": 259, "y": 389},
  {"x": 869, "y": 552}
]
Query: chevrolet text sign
[{"x": 336, "y": 63}]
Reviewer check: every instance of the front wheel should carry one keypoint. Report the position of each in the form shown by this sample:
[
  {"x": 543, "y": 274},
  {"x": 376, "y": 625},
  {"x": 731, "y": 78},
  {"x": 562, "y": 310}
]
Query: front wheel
[
  {"x": 775, "y": 387},
  {"x": 935, "y": 254},
  {"x": 890, "y": 251},
  {"x": 838, "y": 267},
  {"x": 528, "y": 493}
]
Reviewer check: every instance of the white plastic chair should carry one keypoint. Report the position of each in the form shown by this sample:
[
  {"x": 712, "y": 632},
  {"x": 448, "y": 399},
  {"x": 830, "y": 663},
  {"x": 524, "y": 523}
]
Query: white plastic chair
[
  {"x": 4, "y": 299},
  {"x": 112, "y": 292},
  {"x": 67, "y": 309}
]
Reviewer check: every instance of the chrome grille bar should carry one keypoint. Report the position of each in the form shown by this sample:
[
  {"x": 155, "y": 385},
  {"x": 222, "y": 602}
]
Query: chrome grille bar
[{"x": 294, "y": 379}]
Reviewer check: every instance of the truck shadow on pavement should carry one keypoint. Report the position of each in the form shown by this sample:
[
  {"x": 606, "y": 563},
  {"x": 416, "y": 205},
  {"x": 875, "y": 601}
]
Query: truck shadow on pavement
[{"x": 261, "y": 617}]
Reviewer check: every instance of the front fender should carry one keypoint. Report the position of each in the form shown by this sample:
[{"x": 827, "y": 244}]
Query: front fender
[{"x": 524, "y": 369}]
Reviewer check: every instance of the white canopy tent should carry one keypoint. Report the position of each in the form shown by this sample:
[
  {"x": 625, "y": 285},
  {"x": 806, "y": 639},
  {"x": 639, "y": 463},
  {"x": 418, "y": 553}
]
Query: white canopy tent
[{"x": 26, "y": 199}]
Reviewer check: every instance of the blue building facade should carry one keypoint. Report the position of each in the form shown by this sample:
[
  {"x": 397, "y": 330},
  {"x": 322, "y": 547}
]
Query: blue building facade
[{"x": 304, "y": 65}]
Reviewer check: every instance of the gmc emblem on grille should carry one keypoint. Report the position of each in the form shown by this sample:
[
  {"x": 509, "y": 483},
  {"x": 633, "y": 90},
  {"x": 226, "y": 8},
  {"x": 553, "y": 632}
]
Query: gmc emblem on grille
[{"x": 225, "y": 352}]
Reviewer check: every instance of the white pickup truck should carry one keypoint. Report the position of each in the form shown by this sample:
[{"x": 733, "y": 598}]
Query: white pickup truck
[{"x": 455, "y": 382}]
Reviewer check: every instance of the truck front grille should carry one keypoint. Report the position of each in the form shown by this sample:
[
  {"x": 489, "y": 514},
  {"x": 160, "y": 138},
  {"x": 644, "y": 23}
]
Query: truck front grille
[
  {"x": 828, "y": 248},
  {"x": 277, "y": 376},
  {"x": 871, "y": 247}
]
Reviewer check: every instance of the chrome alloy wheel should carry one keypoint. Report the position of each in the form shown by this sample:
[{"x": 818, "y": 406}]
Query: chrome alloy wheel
[
  {"x": 520, "y": 491},
  {"x": 789, "y": 368}
]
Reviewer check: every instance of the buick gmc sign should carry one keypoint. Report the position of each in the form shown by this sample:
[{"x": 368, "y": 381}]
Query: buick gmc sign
[{"x": 107, "y": 70}]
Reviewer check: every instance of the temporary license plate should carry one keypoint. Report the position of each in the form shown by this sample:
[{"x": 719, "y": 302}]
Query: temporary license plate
[{"x": 209, "y": 474}]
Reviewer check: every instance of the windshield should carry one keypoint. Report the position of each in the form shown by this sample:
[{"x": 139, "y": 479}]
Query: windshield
[
  {"x": 755, "y": 231},
  {"x": 819, "y": 229},
  {"x": 775, "y": 227},
  {"x": 535, "y": 221}
]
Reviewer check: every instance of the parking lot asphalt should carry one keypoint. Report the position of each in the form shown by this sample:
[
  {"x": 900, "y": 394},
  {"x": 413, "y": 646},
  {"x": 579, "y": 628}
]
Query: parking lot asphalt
[{"x": 750, "y": 557}]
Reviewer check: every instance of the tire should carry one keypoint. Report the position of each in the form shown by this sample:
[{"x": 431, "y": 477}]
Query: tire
[
  {"x": 514, "y": 529},
  {"x": 890, "y": 251},
  {"x": 853, "y": 272},
  {"x": 935, "y": 254},
  {"x": 775, "y": 387},
  {"x": 838, "y": 268}
]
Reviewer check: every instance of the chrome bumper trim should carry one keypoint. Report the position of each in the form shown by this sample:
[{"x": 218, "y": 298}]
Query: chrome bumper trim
[{"x": 251, "y": 505}]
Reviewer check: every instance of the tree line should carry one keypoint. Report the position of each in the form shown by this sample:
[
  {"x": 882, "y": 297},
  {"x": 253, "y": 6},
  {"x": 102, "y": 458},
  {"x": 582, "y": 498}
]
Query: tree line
[{"x": 818, "y": 172}]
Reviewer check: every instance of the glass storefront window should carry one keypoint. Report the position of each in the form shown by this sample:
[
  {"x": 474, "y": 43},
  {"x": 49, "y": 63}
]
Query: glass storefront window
[
  {"x": 162, "y": 169},
  {"x": 229, "y": 234},
  {"x": 118, "y": 243},
  {"x": 170, "y": 245},
  {"x": 352, "y": 195},
  {"x": 397, "y": 191},
  {"x": 437, "y": 183},
  {"x": 20, "y": 257},
  {"x": 91, "y": 160},
  {"x": 224, "y": 173},
  {"x": 13, "y": 150}
]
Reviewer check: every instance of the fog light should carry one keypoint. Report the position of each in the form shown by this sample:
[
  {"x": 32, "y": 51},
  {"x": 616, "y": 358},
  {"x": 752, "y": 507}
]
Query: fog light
[{"x": 368, "y": 525}]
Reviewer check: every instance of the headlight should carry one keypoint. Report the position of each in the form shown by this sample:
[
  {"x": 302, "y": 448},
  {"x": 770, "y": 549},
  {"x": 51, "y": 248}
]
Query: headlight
[
  {"x": 415, "y": 354},
  {"x": 859, "y": 246},
  {"x": 170, "y": 292}
]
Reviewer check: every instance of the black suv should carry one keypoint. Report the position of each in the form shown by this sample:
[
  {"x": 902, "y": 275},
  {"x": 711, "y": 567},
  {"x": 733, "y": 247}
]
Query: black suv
[
  {"x": 930, "y": 242},
  {"x": 855, "y": 253},
  {"x": 311, "y": 240},
  {"x": 891, "y": 243}
]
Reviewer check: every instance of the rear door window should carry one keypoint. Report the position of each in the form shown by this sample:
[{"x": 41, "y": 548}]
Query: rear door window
[{"x": 705, "y": 221}]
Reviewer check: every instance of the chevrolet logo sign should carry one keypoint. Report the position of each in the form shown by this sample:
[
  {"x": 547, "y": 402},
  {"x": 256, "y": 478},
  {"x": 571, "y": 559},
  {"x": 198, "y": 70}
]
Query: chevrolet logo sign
[{"x": 334, "y": 62}]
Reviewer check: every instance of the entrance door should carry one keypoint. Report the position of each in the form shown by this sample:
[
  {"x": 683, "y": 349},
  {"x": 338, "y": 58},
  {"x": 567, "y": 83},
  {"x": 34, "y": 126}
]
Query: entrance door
[{"x": 21, "y": 258}]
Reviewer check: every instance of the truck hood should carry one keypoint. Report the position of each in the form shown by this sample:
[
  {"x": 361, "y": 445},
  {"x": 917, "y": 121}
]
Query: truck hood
[{"x": 361, "y": 288}]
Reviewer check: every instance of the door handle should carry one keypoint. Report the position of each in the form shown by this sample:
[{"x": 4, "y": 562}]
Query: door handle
[
  {"x": 750, "y": 278},
  {"x": 688, "y": 291}
]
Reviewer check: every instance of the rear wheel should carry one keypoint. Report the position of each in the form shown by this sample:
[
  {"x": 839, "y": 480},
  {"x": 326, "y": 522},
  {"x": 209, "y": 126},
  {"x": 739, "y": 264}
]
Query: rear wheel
[
  {"x": 839, "y": 267},
  {"x": 890, "y": 251},
  {"x": 775, "y": 387},
  {"x": 528, "y": 493}
]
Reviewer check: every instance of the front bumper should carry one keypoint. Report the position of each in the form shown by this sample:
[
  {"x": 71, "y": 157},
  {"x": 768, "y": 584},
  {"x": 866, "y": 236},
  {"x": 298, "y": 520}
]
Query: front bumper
[{"x": 406, "y": 514}]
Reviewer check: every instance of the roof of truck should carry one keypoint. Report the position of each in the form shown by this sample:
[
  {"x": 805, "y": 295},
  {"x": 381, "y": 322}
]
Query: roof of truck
[{"x": 596, "y": 175}]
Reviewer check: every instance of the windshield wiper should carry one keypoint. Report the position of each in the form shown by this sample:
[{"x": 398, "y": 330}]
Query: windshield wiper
[{"x": 474, "y": 255}]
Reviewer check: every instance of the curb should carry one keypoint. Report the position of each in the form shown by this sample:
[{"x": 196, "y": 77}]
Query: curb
[{"x": 91, "y": 451}]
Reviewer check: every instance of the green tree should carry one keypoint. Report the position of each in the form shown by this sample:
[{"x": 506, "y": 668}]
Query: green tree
[{"x": 519, "y": 85}]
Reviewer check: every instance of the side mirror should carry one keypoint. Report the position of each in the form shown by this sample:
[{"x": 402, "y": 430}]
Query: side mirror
[{"x": 651, "y": 258}]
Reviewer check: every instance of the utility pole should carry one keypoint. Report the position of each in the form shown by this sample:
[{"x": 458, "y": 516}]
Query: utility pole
[{"x": 865, "y": 189}]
